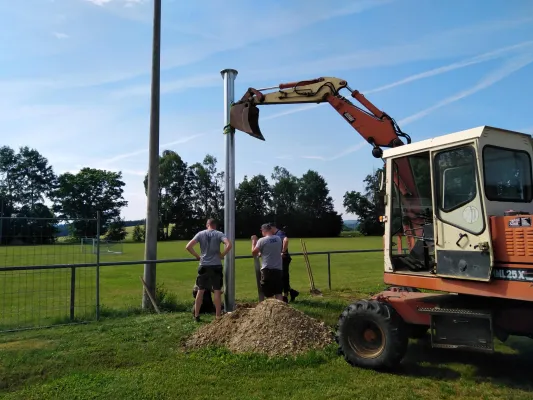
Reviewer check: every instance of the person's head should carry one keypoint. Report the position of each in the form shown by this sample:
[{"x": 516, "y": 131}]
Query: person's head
[
  {"x": 266, "y": 229},
  {"x": 211, "y": 224}
]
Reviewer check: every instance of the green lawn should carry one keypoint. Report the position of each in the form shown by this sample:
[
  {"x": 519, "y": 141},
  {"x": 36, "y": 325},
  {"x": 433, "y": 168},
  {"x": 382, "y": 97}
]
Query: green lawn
[{"x": 133, "y": 356}]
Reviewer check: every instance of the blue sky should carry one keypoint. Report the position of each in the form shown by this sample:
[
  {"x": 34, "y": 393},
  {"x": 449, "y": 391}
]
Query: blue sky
[{"x": 75, "y": 78}]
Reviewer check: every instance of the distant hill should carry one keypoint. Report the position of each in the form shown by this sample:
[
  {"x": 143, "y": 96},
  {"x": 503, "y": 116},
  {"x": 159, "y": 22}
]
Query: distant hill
[{"x": 351, "y": 224}]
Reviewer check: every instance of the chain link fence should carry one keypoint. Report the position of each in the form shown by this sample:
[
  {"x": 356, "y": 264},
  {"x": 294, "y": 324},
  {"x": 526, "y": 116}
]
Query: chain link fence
[
  {"x": 41, "y": 283},
  {"x": 50, "y": 278}
]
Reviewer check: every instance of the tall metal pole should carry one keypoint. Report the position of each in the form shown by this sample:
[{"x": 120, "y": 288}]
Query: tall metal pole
[
  {"x": 98, "y": 222},
  {"x": 152, "y": 217},
  {"x": 229, "y": 76}
]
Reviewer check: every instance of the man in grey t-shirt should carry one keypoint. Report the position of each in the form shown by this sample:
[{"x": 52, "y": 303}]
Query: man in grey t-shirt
[
  {"x": 210, "y": 268},
  {"x": 269, "y": 247}
]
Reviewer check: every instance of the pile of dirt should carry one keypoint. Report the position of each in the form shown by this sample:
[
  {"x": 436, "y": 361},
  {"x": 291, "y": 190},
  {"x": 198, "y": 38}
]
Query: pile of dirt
[{"x": 272, "y": 327}]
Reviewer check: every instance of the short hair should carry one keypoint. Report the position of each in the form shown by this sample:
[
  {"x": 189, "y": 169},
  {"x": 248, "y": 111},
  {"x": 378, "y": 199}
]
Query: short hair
[
  {"x": 266, "y": 227},
  {"x": 211, "y": 222}
]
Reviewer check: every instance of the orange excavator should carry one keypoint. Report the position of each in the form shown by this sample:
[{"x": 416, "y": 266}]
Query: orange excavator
[{"x": 463, "y": 202}]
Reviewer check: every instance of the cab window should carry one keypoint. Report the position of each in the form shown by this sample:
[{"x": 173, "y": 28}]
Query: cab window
[
  {"x": 456, "y": 178},
  {"x": 507, "y": 174}
]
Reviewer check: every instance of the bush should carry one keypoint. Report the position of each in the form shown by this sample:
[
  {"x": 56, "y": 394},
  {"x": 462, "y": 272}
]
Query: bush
[
  {"x": 167, "y": 301},
  {"x": 138, "y": 233}
]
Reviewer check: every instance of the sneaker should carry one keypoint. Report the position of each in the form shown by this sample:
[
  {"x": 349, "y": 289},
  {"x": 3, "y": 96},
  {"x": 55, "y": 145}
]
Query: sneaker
[
  {"x": 197, "y": 319},
  {"x": 285, "y": 299},
  {"x": 294, "y": 294}
]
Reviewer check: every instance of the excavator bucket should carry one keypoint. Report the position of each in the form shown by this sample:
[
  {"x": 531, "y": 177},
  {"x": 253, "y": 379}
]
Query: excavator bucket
[{"x": 245, "y": 117}]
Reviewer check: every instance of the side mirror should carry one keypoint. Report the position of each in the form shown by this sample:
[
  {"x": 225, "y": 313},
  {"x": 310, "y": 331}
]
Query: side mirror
[
  {"x": 380, "y": 199},
  {"x": 380, "y": 195},
  {"x": 381, "y": 180}
]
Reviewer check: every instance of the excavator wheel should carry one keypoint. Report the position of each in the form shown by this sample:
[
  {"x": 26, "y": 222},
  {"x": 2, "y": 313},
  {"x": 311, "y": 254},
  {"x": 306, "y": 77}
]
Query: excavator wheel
[{"x": 371, "y": 334}]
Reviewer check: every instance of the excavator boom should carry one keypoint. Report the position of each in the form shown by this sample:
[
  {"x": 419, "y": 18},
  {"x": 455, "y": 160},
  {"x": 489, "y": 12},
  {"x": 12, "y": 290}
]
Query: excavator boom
[{"x": 375, "y": 126}]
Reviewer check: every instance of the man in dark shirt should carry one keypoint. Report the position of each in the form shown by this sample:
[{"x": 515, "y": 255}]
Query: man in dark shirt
[{"x": 286, "y": 257}]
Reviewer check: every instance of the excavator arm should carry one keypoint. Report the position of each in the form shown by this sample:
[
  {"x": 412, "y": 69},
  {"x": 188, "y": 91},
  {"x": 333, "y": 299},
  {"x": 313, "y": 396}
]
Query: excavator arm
[{"x": 374, "y": 125}]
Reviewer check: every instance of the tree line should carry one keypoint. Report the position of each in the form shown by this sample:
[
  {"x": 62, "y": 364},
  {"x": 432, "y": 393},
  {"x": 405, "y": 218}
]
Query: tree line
[
  {"x": 187, "y": 196},
  {"x": 190, "y": 194}
]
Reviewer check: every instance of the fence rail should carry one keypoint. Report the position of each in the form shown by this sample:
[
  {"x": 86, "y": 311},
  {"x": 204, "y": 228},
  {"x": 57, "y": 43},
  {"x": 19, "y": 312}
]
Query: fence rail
[{"x": 75, "y": 296}]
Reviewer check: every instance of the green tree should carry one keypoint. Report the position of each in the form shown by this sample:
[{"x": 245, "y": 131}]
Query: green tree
[
  {"x": 253, "y": 204},
  {"x": 284, "y": 193},
  {"x": 35, "y": 178},
  {"x": 116, "y": 230},
  {"x": 364, "y": 205},
  {"x": 175, "y": 195},
  {"x": 138, "y": 233},
  {"x": 26, "y": 180},
  {"x": 208, "y": 192},
  {"x": 82, "y": 195},
  {"x": 313, "y": 195}
]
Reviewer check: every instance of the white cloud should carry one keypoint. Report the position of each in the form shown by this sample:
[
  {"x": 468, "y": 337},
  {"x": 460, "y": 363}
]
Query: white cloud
[
  {"x": 126, "y": 3},
  {"x": 60, "y": 35},
  {"x": 488, "y": 56},
  {"x": 509, "y": 67},
  {"x": 491, "y": 55},
  {"x": 99, "y": 2},
  {"x": 349, "y": 150},
  {"x": 123, "y": 156},
  {"x": 442, "y": 45}
]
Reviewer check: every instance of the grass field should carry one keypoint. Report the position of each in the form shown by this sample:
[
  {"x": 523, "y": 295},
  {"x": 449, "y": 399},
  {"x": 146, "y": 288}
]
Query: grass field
[
  {"x": 140, "y": 356},
  {"x": 120, "y": 288}
]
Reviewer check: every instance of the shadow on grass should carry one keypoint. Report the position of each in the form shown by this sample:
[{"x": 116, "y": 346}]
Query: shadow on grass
[{"x": 511, "y": 370}]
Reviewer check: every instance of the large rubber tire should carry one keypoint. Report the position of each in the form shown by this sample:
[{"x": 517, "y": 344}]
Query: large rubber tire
[{"x": 371, "y": 334}]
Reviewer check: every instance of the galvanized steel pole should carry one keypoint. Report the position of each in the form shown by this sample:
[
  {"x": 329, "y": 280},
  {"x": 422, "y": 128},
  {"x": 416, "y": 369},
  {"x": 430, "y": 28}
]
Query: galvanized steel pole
[
  {"x": 152, "y": 212},
  {"x": 229, "y": 76}
]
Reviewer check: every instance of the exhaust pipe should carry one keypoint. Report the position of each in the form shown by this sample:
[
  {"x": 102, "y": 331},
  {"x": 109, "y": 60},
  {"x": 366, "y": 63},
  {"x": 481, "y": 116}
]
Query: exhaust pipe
[{"x": 244, "y": 117}]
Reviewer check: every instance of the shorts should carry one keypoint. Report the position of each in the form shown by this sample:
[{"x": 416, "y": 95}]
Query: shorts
[
  {"x": 271, "y": 281},
  {"x": 209, "y": 278}
]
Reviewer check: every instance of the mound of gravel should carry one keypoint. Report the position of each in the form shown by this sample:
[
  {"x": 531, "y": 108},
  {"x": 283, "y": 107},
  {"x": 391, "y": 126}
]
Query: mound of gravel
[{"x": 272, "y": 327}]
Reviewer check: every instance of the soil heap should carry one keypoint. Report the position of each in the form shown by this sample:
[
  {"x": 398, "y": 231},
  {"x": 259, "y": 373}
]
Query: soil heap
[{"x": 272, "y": 327}]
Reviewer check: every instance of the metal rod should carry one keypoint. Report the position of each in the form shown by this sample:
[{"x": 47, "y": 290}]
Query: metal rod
[
  {"x": 152, "y": 217},
  {"x": 329, "y": 271},
  {"x": 229, "y": 76},
  {"x": 72, "y": 292},
  {"x": 165, "y": 261},
  {"x": 268, "y": 88},
  {"x": 257, "y": 267},
  {"x": 98, "y": 222}
]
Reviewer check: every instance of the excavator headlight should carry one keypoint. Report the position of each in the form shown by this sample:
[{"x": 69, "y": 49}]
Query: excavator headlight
[{"x": 244, "y": 117}]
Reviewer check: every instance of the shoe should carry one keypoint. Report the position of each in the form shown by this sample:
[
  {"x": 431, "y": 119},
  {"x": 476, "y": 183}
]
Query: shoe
[
  {"x": 197, "y": 319},
  {"x": 294, "y": 294},
  {"x": 285, "y": 299}
]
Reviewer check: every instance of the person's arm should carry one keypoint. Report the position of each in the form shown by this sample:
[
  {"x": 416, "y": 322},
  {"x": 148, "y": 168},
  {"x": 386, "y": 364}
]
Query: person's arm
[
  {"x": 227, "y": 246},
  {"x": 256, "y": 246},
  {"x": 285, "y": 244},
  {"x": 190, "y": 248}
]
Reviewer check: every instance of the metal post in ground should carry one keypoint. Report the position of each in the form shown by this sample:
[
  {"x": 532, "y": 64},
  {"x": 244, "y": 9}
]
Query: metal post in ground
[
  {"x": 98, "y": 221},
  {"x": 229, "y": 76},
  {"x": 329, "y": 271},
  {"x": 152, "y": 219}
]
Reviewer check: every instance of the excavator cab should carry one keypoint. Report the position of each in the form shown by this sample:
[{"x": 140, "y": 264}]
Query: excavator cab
[{"x": 244, "y": 116}]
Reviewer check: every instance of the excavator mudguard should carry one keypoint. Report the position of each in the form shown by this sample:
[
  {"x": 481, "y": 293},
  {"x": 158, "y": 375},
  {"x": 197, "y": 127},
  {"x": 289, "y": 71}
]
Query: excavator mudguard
[{"x": 244, "y": 117}]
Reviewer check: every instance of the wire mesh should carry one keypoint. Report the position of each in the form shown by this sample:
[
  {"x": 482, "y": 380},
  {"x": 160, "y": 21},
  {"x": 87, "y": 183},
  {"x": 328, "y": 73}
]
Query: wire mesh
[{"x": 40, "y": 284}]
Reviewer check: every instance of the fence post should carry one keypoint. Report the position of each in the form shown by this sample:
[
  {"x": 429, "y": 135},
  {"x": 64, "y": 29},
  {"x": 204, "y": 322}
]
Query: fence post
[
  {"x": 97, "y": 265},
  {"x": 257, "y": 267},
  {"x": 72, "y": 291},
  {"x": 329, "y": 271}
]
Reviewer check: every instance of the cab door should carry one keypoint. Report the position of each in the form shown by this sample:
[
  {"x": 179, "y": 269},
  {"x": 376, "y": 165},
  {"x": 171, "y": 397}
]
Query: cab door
[{"x": 462, "y": 237}]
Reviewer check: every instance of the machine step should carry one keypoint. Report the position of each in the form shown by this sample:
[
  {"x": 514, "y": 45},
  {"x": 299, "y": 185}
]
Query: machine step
[{"x": 454, "y": 328}]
